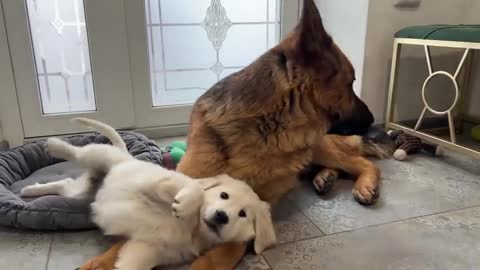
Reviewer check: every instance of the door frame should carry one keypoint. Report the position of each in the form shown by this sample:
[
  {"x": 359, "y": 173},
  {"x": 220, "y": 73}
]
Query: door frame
[{"x": 10, "y": 120}]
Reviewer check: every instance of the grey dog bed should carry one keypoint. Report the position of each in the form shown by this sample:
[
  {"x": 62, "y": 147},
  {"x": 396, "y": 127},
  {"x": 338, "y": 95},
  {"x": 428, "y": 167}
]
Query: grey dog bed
[{"x": 30, "y": 164}]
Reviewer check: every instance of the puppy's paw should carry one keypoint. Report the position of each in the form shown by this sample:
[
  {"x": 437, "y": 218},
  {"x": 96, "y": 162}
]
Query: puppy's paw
[
  {"x": 35, "y": 190},
  {"x": 57, "y": 148},
  {"x": 366, "y": 194},
  {"x": 187, "y": 201},
  {"x": 323, "y": 181}
]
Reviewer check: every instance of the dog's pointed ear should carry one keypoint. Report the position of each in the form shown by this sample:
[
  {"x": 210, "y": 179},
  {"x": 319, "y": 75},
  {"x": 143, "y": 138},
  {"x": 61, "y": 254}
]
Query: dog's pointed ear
[
  {"x": 313, "y": 40},
  {"x": 264, "y": 230}
]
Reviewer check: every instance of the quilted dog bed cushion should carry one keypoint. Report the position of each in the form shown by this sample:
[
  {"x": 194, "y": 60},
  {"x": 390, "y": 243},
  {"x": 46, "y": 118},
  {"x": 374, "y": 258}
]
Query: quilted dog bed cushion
[{"x": 30, "y": 164}]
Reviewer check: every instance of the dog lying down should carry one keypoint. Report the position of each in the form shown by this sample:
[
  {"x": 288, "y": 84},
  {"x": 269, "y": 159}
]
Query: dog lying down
[{"x": 167, "y": 217}]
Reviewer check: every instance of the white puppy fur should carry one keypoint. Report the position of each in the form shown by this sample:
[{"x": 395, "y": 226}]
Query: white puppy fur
[{"x": 167, "y": 217}]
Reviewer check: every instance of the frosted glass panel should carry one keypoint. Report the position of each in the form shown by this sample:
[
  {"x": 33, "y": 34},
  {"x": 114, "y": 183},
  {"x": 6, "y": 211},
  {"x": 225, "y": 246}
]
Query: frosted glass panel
[
  {"x": 183, "y": 11},
  {"x": 187, "y": 47},
  {"x": 246, "y": 10},
  {"x": 62, "y": 57},
  {"x": 201, "y": 79},
  {"x": 236, "y": 51},
  {"x": 195, "y": 43}
]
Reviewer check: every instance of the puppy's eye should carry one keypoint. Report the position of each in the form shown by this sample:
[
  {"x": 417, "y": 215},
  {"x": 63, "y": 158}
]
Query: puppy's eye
[
  {"x": 224, "y": 195},
  {"x": 242, "y": 213}
]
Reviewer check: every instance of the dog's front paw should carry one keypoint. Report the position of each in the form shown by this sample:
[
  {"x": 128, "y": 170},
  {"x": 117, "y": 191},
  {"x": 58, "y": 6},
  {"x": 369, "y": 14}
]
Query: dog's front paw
[
  {"x": 323, "y": 181},
  {"x": 187, "y": 201},
  {"x": 366, "y": 194}
]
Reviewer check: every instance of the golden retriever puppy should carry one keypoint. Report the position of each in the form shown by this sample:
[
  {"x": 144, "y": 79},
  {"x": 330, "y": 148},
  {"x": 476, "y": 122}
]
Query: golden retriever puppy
[{"x": 167, "y": 217}]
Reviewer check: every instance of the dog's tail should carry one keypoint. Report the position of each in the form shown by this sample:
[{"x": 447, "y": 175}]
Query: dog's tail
[{"x": 104, "y": 129}]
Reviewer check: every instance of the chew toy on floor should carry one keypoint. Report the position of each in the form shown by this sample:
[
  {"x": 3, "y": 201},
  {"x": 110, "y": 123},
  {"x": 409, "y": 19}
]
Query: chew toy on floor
[
  {"x": 476, "y": 133},
  {"x": 408, "y": 144},
  {"x": 173, "y": 154}
]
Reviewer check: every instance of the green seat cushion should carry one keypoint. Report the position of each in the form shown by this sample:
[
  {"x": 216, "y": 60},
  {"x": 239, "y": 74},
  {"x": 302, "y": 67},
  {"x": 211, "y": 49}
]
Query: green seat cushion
[{"x": 465, "y": 33}]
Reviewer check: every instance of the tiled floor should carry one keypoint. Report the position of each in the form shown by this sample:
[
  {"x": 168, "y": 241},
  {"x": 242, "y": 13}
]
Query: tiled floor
[{"x": 428, "y": 217}]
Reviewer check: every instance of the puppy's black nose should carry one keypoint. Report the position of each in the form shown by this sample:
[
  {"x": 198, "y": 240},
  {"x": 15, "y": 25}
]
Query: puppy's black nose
[{"x": 220, "y": 217}]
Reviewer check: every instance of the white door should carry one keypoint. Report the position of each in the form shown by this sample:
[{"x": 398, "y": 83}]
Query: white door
[
  {"x": 180, "y": 48},
  {"x": 69, "y": 58},
  {"x": 131, "y": 63}
]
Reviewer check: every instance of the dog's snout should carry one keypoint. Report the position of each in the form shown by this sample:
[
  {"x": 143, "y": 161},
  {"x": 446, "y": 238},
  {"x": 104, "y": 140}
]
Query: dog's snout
[
  {"x": 356, "y": 122},
  {"x": 220, "y": 218}
]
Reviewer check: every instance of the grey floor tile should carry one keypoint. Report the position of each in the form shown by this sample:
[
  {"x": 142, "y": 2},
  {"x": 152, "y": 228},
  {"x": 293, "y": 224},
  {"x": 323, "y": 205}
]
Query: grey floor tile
[
  {"x": 444, "y": 241},
  {"x": 20, "y": 250},
  {"x": 291, "y": 224},
  {"x": 71, "y": 249},
  {"x": 421, "y": 186},
  {"x": 252, "y": 262}
]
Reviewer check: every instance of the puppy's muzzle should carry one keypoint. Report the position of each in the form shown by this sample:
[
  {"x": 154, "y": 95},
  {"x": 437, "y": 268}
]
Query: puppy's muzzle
[
  {"x": 216, "y": 222},
  {"x": 220, "y": 218}
]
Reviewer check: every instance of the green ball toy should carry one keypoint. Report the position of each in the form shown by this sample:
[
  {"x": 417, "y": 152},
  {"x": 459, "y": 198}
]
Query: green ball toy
[
  {"x": 476, "y": 133},
  {"x": 180, "y": 145},
  {"x": 176, "y": 154}
]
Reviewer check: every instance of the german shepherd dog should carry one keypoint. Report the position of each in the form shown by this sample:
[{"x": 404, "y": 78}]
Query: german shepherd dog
[{"x": 267, "y": 122}]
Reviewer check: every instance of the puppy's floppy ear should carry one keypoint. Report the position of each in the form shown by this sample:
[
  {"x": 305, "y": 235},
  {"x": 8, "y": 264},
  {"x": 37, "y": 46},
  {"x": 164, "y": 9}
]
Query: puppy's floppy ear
[
  {"x": 211, "y": 182},
  {"x": 264, "y": 230},
  {"x": 208, "y": 183}
]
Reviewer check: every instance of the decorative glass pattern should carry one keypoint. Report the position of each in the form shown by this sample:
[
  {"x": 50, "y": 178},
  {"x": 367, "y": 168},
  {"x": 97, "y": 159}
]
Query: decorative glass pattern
[
  {"x": 192, "y": 44},
  {"x": 62, "y": 59}
]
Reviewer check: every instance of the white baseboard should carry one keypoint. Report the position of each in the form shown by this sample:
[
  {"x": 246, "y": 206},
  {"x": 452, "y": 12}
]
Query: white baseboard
[
  {"x": 165, "y": 131},
  {"x": 4, "y": 145}
]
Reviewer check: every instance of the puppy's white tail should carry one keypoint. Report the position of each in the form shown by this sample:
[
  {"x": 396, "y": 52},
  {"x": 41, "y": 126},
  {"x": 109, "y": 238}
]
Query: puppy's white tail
[{"x": 104, "y": 129}]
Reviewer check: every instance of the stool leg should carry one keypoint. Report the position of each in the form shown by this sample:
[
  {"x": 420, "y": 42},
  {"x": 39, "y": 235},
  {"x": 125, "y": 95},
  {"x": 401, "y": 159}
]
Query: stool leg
[
  {"x": 466, "y": 89},
  {"x": 450, "y": 116},
  {"x": 451, "y": 126},
  {"x": 430, "y": 72},
  {"x": 397, "y": 49},
  {"x": 420, "y": 119},
  {"x": 429, "y": 59}
]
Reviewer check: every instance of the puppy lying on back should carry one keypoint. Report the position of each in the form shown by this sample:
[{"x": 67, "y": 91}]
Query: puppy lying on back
[{"x": 167, "y": 217}]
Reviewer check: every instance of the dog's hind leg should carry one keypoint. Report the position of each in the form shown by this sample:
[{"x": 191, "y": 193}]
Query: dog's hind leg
[
  {"x": 60, "y": 149},
  {"x": 106, "y": 261},
  {"x": 137, "y": 255},
  {"x": 54, "y": 188},
  {"x": 80, "y": 188},
  {"x": 223, "y": 257},
  {"x": 100, "y": 157}
]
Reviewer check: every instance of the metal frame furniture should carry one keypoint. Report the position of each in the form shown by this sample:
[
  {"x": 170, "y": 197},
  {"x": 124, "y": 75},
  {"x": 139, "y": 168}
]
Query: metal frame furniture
[{"x": 436, "y": 36}]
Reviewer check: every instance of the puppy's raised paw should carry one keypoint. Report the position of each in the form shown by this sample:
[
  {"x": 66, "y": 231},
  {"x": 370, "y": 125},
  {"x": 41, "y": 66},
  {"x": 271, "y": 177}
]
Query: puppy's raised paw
[
  {"x": 59, "y": 149},
  {"x": 187, "y": 201}
]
